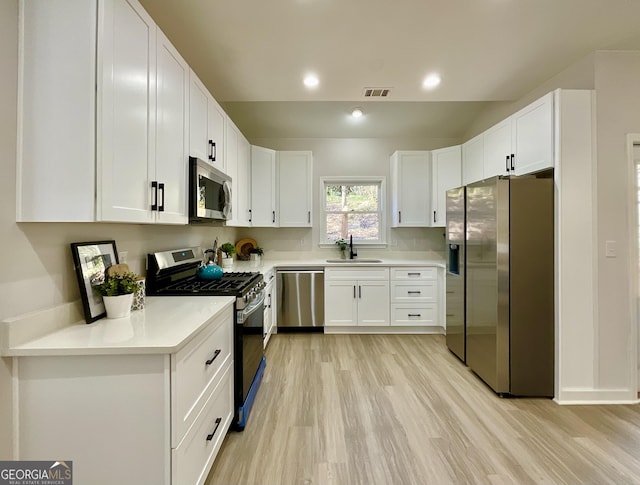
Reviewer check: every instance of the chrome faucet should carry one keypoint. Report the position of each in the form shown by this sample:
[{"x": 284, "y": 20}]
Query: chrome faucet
[{"x": 352, "y": 253}]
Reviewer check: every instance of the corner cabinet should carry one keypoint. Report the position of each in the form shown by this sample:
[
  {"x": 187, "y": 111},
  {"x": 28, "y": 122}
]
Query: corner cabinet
[
  {"x": 159, "y": 418},
  {"x": 410, "y": 181},
  {"x": 281, "y": 188},
  {"x": 238, "y": 153},
  {"x": 263, "y": 187},
  {"x": 295, "y": 172},
  {"x": 446, "y": 172},
  {"x": 109, "y": 142},
  {"x": 473, "y": 160}
]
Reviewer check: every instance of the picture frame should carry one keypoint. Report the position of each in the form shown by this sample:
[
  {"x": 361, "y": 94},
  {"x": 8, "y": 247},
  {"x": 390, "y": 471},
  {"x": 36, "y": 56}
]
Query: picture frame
[{"x": 91, "y": 260}]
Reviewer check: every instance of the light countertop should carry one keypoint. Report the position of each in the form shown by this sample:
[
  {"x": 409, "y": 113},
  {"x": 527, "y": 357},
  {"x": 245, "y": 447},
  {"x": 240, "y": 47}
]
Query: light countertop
[{"x": 164, "y": 326}]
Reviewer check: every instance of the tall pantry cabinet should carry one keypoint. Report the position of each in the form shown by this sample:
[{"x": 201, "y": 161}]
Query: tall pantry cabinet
[{"x": 110, "y": 142}]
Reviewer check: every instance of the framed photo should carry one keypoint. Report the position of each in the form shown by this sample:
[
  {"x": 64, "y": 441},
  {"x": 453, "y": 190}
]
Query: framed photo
[{"x": 91, "y": 260}]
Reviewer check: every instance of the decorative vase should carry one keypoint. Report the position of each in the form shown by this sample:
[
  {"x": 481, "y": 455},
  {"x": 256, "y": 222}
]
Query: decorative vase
[
  {"x": 255, "y": 257},
  {"x": 118, "y": 306},
  {"x": 227, "y": 262}
]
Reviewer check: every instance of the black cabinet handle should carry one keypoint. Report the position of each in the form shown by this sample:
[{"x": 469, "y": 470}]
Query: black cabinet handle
[
  {"x": 154, "y": 186},
  {"x": 309, "y": 217},
  {"x": 161, "y": 206},
  {"x": 414, "y": 315},
  {"x": 210, "y": 156},
  {"x": 250, "y": 215},
  {"x": 434, "y": 216},
  {"x": 507, "y": 163},
  {"x": 359, "y": 291},
  {"x": 414, "y": 292},
  {"x": 399, "y": 217},
  {"x": 512, "y": 167},
  {"x": 413, "y": 274},
  {"x": 354, "y": 291},
  {"x": 273, "y": 217},
  {"x": 215, "y": 355},
  {"x": 210, "y": 436}
]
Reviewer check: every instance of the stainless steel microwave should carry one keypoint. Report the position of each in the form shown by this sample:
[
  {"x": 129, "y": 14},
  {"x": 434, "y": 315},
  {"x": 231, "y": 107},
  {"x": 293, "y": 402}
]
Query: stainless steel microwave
[{"x": 209, "y": 193}]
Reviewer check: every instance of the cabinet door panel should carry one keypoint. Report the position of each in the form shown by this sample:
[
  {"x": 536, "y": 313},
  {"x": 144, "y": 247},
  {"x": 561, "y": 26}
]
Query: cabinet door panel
[
  {"x": 341, "y": 303},
  {"x": 533, "y": 136},
  {"x": 497, "y": 147},
  {"x": 198, "y": 132},
  {"x": 373, "y": 303},
  {"x": 263, "y": 196},
  {"x": 411, "y": 187},
  {"x": 447, "y": 174},
  {"x": 126, "y": 113},
  {"x": 215, "y": 123},
  {"x": 172, "y": 132},
  {"x": 294, "y": 188},
  {"x": 473, "y": 160}
]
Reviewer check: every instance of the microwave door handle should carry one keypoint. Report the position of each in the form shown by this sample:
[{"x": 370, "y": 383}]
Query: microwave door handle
[{"x": 226, "y": 186}]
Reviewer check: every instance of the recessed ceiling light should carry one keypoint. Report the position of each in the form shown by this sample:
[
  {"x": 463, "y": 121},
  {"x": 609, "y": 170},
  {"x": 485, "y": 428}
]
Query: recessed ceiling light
[
  {"x": 357, "y": 113},
  {"x": 311, "y": 81},
  {"x": 431, "y": 81}
]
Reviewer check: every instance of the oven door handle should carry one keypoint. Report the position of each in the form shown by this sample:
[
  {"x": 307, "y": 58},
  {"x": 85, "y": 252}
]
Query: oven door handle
[{"x": 257, "y": 304}]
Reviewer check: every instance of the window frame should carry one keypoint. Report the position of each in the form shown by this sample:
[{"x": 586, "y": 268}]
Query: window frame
[{"x": 381, "y": 181}]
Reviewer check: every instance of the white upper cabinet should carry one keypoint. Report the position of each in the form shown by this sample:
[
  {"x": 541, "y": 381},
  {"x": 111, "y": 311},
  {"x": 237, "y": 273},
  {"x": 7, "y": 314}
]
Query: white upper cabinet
[
  {"x": 446, "y": 172},
  {"x": 263, "y": 187},
  {"x": 473, "y": 160},
  {"x": 105, "y": 141},
  {"x": 532, "y": 137},
  {"x": 243, "y": 184},
  {"x": 410, "y": 184},
  {"x": 497, "y": 149},
  {"x": 172, "y": 133},
  {"x": 295, "y": 188},
  {"x": 231, "y": 145},
  {"x": 207, "y": 123}
]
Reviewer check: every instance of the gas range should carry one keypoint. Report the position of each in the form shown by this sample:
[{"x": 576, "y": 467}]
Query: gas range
[{"x": 173, "y": 273}]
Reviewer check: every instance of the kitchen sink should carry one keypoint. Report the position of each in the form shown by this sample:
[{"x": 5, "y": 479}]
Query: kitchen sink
[{"x": 351, "y": 261}]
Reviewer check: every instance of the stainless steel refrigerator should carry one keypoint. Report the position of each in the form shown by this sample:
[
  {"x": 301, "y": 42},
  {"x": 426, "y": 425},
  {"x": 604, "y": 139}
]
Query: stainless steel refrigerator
[
  {"x": 509, "y": 277},
  {"x": 455, "y": 278}
]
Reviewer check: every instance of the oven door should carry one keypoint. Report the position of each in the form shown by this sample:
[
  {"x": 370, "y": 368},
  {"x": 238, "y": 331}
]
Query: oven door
[{"x": 250, "y": 328}]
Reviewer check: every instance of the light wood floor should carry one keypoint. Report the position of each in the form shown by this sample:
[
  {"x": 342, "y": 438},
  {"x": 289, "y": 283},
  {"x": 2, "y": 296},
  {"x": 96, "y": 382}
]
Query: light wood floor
[{"x": 403, "y": 410}]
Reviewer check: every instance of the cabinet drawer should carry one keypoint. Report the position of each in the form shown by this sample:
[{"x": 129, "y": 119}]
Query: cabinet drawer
[
  {"x": 194, "y": 369},
  {"x": 401, "y": 274},
  {"x": 414, "y": 315},
  {"x": 356, "y": 274},
  {"x": 191, "y": 461},
  {"x": 420, "y": 292}
]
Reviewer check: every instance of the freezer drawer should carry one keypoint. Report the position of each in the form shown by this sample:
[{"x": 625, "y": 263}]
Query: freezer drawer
[{"x": 300, "y": 298}]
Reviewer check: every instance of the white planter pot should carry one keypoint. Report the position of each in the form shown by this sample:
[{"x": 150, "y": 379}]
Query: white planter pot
[
  {"x": 227, "y": 262},
  {"x": 118, "y": 306}
]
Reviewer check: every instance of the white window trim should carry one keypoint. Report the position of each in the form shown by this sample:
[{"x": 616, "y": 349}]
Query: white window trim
[{"x": 382, "y": 180}]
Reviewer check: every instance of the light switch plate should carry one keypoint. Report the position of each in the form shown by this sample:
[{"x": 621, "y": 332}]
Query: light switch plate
[{"x": 610, "y": 249}]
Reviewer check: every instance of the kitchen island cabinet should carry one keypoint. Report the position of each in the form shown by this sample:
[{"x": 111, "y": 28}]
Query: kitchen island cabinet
[{"x": 146, "y": 399}]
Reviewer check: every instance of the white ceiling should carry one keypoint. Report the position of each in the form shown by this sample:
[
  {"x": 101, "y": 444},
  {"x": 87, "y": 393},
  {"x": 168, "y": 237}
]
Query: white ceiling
[{"x": 253, "y": 54}]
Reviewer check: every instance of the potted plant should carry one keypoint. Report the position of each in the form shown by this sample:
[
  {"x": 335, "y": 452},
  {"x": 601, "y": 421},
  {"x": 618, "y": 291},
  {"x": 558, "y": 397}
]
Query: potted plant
[
  {"x": 342, "y": 246},
  {"x": 256, "y": 253},
  {"x": 229, "y": 250},
  {"x": 117, "y": 293}
]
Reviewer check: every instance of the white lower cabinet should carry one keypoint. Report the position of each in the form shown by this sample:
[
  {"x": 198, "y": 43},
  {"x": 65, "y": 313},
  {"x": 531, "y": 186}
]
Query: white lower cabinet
[
  {"x": 356, "y": 297},
  {"x": 416, "y": 297},
  {"x": 147, "y": 419}
]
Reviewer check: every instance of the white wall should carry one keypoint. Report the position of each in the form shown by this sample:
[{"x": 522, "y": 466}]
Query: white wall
[{"x": 352, "y": 157}]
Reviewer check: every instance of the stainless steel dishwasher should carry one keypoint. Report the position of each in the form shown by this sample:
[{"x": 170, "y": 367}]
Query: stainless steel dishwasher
[{"x": 300, "y": 296}]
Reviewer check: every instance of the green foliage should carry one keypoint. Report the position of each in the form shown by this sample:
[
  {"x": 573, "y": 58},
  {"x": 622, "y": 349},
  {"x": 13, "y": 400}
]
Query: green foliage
[
  {"x": 228, "y": 249},
  {"x": 118, "y": 284},
  {"x": 342, "y": 244},
  {"x": 257, "y": 250}
]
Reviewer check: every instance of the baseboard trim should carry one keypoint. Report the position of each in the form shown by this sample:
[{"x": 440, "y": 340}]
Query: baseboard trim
[
  {"x": 385, "y": 330},
  {"x": 597, "y": 396}
]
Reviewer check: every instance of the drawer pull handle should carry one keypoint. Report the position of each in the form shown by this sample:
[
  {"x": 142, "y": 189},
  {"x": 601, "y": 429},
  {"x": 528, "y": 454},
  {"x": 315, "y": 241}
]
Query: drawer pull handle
[
  {"x": 414, "y": 292},
  {"x": 414, "y": 315},
  {"x": 210, "y": 436},
  {"x": 413, "y": 274},
  {"x": 215, "y": 355}
]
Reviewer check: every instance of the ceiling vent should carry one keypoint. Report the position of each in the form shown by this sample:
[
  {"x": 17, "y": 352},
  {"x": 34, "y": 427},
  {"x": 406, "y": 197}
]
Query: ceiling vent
[{"x": 376, "y": 92}]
